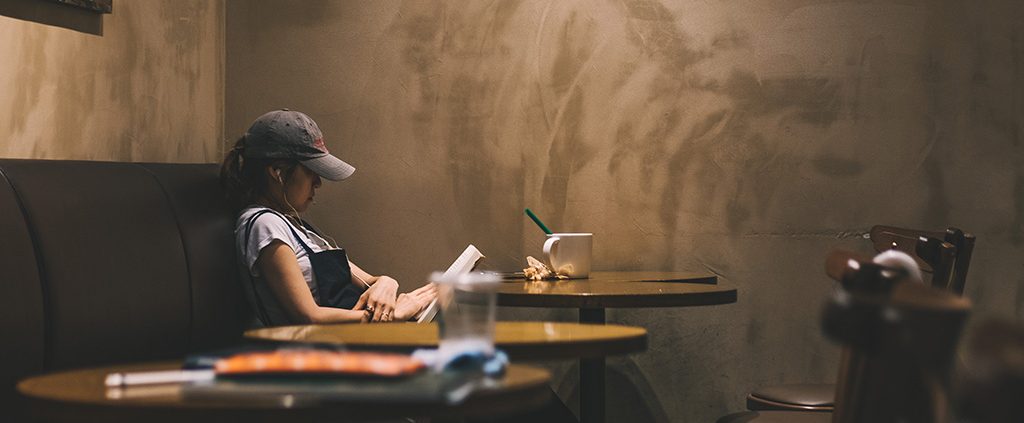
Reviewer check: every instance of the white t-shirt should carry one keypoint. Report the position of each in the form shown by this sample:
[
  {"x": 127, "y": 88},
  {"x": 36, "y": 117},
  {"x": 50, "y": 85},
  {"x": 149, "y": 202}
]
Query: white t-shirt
[{"x": 264, "y": 230}]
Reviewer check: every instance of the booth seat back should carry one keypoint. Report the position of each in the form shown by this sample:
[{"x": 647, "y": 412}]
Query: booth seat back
[{"x": 113, "y": 262}]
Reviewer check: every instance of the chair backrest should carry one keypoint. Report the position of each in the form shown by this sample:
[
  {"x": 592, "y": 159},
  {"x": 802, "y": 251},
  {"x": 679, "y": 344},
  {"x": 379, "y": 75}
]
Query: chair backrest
[
  {"x": 964, "y": 243},
  {"x": 900, "y": 339},
  {"x": 22, "y": 320},
  {"x": 946, "y": 255},
  {"x": 113, "y": 262}
]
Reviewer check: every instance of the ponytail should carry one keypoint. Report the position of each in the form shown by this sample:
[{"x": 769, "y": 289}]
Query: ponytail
[
  {"x": 232, "y": 180},
  {"x": 243, "y": 179}
]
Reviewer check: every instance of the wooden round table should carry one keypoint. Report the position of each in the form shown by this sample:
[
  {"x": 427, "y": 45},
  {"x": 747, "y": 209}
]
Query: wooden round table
[
  {"x": 613, "y": 290},
  {"x": 80, "y": 396},
  {"x": 617, "y": 290},
  {"x": 521, "y": 340}
]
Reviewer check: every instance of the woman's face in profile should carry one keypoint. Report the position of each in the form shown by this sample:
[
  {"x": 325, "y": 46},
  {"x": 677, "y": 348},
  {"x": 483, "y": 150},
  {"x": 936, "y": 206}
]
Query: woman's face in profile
[{"x": 301, "y": 187}]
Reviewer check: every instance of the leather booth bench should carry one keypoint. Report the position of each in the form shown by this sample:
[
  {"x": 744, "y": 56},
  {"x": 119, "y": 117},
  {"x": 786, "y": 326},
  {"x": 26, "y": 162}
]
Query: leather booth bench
[{"x": 108, "y": 263}]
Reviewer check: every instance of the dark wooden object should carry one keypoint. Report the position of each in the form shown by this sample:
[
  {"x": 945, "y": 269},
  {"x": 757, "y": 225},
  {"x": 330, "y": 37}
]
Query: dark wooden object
[
  {"x": 946, "y": 255},
  {"x": 901, "y": 339},
  {"x": 99, "y": 6},
  {"x": 901, "y": 350}
]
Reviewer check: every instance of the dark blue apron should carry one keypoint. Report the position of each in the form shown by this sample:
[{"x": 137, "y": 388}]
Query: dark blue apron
[{"x": 331, "y": 269}]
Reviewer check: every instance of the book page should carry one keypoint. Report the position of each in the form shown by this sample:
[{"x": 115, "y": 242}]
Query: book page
[{"x": 462, "y": 265}]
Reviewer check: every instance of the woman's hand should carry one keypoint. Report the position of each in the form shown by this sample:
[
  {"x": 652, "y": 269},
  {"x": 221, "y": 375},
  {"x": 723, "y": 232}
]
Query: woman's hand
[
  {"x": 409, "y": 305},
  {"x": 379, "y": 299}
]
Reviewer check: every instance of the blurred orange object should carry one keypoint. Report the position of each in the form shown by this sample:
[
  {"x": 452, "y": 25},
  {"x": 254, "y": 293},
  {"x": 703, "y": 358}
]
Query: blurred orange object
[{"x": 319, "y": 362}]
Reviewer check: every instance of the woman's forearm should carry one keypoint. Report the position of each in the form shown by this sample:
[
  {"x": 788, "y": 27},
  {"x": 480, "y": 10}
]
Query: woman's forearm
[
  {"x": 335, "y": 315},
  {"x": 360, "y": 276}
]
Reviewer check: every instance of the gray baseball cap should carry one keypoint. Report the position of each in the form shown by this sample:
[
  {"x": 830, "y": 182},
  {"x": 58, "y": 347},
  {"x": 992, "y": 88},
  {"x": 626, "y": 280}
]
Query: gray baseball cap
[{"x": 287, "y": 134}]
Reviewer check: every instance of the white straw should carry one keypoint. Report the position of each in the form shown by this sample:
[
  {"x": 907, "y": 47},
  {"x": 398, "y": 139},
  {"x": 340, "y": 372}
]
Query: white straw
[{"x": 153, "y": 378}]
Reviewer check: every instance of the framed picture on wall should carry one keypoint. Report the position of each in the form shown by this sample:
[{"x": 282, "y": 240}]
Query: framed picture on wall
[{"x": 98, "y": 6}]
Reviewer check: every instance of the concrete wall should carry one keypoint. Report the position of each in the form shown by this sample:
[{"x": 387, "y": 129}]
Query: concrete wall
[
  {"x": 150, "y": 88},
  {"x": 744, "y": 138}
]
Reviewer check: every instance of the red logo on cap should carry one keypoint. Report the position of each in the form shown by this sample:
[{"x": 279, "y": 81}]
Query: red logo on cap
[{"x": 319, "y": 144}]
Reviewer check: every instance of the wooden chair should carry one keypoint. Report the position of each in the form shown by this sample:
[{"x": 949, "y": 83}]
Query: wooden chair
[
  {"x": 891, "y": 237},
  {"x": 944, "y": 255},
  {"x": 900, "y": 340}
]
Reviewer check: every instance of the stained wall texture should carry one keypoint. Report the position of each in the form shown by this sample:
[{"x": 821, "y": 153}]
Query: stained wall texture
[
  {"x": 150, "y": 88},
  {"x": 743, "y": 138}
]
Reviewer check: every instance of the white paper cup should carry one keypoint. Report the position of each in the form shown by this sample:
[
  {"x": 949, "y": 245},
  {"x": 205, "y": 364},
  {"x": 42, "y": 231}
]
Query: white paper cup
[{"x": 569, "y": 253}]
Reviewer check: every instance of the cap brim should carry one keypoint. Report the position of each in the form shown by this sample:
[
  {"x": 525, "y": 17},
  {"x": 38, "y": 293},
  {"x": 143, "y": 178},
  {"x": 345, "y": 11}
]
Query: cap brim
[{"x": 329, "y": 167}]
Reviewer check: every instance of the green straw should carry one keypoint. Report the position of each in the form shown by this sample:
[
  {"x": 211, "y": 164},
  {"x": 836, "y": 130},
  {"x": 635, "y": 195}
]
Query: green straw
[{"x": 538, "y": 222}]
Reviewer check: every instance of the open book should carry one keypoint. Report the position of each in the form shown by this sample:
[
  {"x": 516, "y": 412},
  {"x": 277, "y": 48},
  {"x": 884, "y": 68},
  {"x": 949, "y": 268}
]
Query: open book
[{"x": 462, "y": 265}]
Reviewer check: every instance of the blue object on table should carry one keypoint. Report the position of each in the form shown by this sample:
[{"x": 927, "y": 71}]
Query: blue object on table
[{"x": 490, "y": 364}]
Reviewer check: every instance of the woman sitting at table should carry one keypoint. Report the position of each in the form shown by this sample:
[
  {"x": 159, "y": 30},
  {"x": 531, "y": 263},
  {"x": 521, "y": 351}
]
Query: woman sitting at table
[{"x": 294, "y": 274}]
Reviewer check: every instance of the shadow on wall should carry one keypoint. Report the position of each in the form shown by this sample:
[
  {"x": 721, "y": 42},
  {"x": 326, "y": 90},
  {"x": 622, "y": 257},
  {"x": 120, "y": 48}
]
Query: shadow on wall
[
  {"x": 637, "y": 399},
  {"x": 54, "y": 14},
  {"x": 630, "y": 399},
  {"x": 525, "y": 109}
]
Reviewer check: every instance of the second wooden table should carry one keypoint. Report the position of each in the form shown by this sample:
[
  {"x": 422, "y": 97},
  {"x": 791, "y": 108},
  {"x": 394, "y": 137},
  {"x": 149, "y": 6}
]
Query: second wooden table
[{"x": 521, "y": 340}]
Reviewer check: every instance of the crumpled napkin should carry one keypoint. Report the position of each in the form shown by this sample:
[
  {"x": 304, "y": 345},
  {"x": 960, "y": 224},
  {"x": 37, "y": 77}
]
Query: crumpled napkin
[{"x": 536, "y": 270}]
